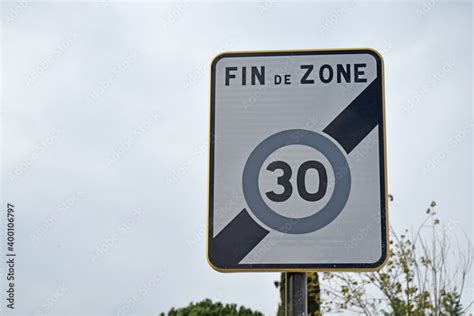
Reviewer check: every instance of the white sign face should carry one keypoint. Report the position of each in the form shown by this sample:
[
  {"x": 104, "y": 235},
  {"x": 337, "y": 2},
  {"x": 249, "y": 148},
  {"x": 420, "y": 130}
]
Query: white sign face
[{"x": 297, "y": 161}]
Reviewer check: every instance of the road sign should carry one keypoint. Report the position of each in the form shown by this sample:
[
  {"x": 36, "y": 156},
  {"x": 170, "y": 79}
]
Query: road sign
[{"x": 297, "y": 168}]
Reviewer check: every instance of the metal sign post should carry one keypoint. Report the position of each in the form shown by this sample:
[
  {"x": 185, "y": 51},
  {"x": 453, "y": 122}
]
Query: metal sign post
[{"x": 296, "y": 294}]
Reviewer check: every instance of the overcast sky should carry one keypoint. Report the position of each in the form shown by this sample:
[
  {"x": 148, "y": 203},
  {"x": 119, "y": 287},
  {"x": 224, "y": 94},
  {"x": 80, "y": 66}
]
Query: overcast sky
[{"x": 105, "y": 136}]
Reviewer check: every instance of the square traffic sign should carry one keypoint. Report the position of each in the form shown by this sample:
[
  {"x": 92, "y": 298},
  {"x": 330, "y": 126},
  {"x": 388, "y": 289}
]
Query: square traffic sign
[{"x": 297, "y": 169}]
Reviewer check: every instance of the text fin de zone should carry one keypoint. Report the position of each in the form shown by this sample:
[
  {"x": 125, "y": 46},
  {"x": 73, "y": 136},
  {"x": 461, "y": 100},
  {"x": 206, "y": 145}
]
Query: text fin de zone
[{"x": 307, "y": 74}]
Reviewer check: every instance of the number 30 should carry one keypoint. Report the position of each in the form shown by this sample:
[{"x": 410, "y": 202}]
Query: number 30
[{"x": 284, "y": 181}]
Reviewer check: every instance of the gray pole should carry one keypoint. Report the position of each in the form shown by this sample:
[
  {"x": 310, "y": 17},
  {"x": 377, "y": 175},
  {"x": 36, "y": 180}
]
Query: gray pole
[{"x": 296, "y": 294}]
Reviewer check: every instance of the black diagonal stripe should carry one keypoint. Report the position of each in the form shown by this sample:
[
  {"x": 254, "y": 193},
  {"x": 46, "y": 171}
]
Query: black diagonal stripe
[
  {"x": 360, "y": 117},
  {"x": 236, "y": 240}
]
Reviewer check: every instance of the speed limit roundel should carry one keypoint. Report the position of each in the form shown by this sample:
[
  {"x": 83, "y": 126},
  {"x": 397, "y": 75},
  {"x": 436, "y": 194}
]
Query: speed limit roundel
[{"x": 297, "y": 161}]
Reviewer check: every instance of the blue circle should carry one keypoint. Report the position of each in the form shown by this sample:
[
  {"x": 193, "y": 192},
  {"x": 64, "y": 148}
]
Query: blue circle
[{"x": 314, "y": 222}]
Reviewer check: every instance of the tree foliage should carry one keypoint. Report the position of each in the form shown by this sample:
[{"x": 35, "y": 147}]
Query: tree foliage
[
  {"x": 209, "y": 308},
  {"x": 425, "y": 275},
  {"x": 281, "y": 285}
]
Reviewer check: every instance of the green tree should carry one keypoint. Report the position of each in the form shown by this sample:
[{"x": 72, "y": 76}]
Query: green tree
[{"x": 209, "y": 308}]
